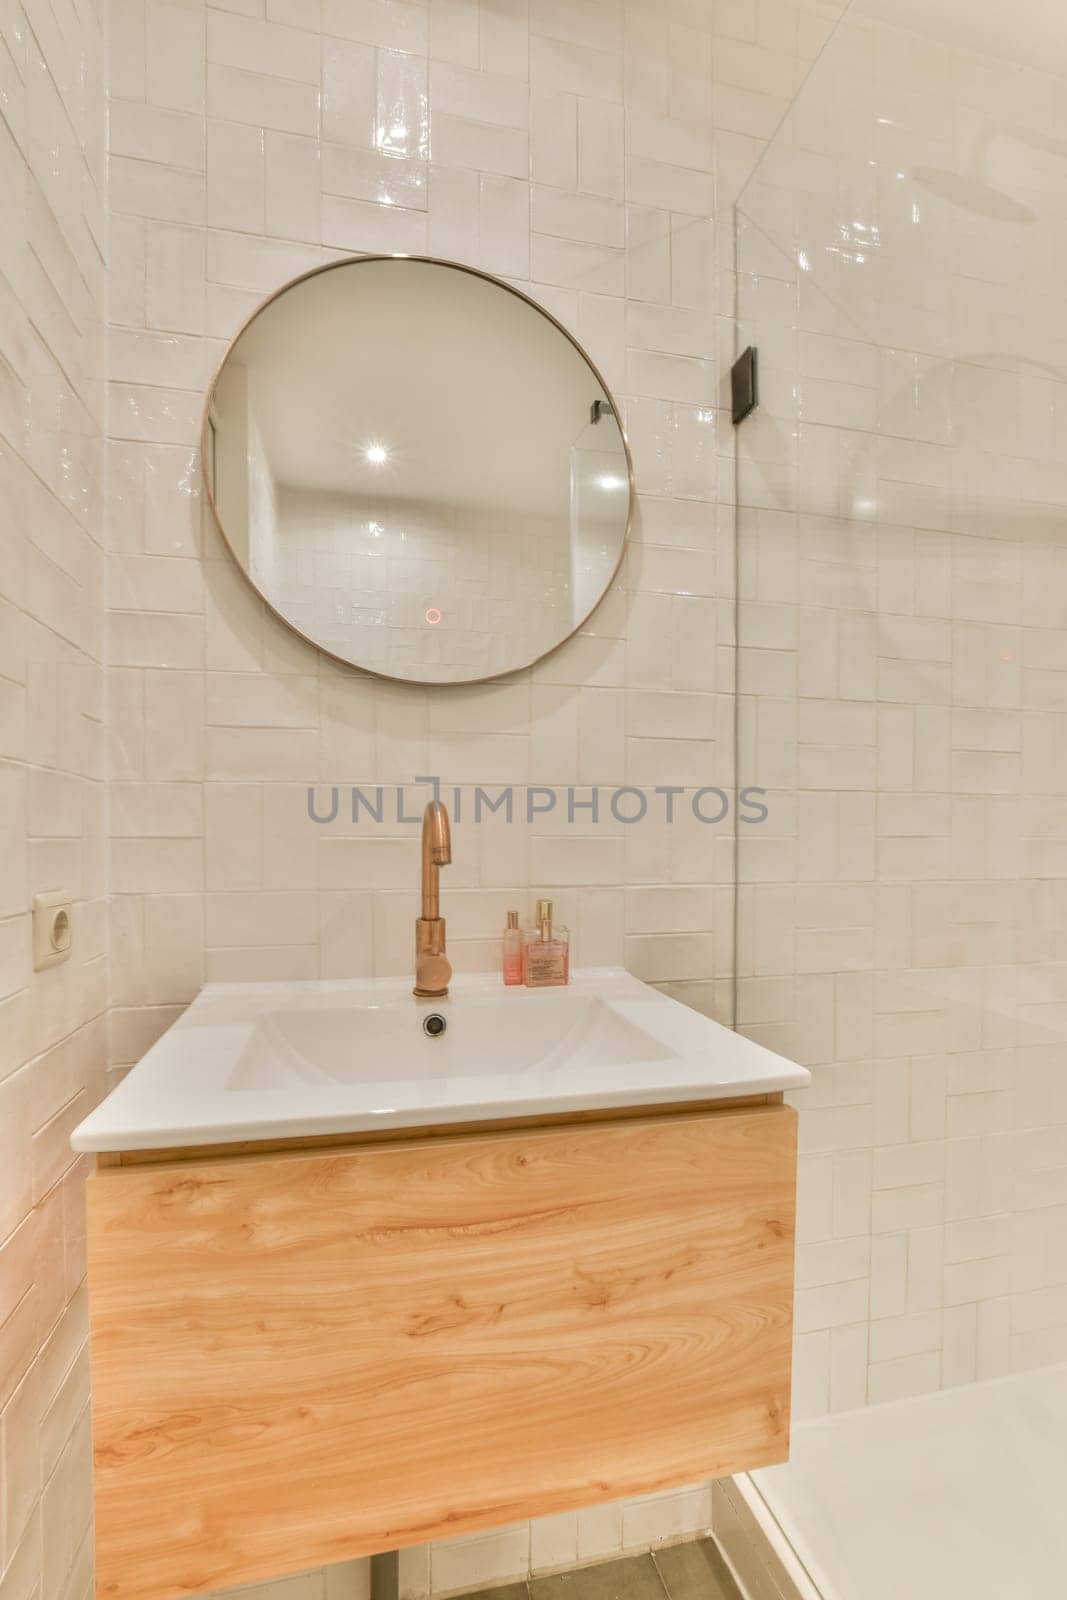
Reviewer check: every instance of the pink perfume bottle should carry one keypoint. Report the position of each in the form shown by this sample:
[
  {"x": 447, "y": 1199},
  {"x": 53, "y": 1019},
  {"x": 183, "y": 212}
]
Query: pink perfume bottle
[{"x": 512, "y": 958}]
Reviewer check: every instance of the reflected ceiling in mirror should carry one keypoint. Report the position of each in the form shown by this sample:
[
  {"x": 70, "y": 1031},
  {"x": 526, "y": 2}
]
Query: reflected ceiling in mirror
[{"x": 418, "y": 469}]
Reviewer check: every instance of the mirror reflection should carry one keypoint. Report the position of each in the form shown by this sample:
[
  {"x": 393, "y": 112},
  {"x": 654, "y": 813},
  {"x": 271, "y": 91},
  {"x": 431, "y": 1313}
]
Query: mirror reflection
[{"x": 418, "y": 469}]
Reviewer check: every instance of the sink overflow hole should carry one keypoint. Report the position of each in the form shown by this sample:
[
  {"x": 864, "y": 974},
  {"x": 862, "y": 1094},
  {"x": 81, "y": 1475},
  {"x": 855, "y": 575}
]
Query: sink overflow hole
[{"x": 434, "y": 1024}]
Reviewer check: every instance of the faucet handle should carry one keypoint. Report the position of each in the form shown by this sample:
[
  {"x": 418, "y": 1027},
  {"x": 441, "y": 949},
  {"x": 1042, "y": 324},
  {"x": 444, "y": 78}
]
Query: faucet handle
[
  {"x": 433, "y": 970},
  {"x": 432, "y": 976}
]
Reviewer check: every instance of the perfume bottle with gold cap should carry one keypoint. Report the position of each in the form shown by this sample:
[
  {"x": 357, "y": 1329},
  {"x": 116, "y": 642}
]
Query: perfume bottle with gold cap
[{"x": 546, "y": 951}]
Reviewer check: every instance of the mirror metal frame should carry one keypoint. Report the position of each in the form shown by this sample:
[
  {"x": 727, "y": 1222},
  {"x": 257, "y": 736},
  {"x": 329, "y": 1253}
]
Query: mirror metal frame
[{"x": 499, "y": 283}]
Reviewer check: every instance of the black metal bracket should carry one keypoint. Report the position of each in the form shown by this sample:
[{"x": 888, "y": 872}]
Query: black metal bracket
[{"x": 744, "y": 384}]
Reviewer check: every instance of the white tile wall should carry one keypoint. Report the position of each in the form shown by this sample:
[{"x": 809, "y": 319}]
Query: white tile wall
[
  {"x": 52, "y": 767},
  {"x": 903, "y": 559}
]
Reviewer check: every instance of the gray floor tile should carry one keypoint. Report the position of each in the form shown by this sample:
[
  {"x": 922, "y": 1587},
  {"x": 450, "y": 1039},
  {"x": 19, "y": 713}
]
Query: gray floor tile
[
  {"x": 505, "y": 1591},
  {"x": 696, "y": 1571},
  {"x": 633, "y": 1579}
]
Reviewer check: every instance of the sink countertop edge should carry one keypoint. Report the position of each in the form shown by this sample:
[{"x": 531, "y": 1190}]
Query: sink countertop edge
[{"x": 140, "y": 1116}]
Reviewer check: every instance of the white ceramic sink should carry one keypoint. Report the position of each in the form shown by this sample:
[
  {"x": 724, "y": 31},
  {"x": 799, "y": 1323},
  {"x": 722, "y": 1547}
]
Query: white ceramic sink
[
  {"x": 366, "y": 1044},
  {"x": 275, "y": 1060}
]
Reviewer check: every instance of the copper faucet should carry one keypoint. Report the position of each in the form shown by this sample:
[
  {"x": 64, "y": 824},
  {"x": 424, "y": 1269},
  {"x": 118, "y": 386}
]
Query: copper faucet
[{"x": 432, "y": 967}]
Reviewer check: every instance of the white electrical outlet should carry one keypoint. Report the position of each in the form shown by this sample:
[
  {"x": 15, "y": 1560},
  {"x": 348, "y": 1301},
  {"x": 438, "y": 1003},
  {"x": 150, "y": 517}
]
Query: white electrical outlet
[{"x": 53, "y": 929}]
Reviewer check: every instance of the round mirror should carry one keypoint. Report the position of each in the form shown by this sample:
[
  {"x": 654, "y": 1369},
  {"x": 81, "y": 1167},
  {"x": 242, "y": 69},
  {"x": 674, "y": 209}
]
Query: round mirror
[{"x": 418, "y": 469}]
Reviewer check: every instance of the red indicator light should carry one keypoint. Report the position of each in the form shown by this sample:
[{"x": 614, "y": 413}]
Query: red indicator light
[{"x": 433, "y": 616}]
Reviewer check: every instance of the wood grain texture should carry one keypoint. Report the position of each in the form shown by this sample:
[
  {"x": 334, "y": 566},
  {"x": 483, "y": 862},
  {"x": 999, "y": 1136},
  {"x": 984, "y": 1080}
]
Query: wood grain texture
[
  {"x": 303, "y": 1358},
  {"x": 437, "y": 1130}
]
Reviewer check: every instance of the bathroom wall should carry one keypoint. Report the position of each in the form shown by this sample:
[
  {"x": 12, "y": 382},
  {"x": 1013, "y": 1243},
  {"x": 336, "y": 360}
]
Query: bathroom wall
[
  {"x": 52, "y": 766},
  {"x": 583, "y": 151},
  {"x": 902, "y": 685},
  {"x": 582, "y": 155}
]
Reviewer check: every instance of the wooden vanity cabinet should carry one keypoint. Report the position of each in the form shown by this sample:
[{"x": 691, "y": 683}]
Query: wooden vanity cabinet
[{"x": 307, "y": 1355}]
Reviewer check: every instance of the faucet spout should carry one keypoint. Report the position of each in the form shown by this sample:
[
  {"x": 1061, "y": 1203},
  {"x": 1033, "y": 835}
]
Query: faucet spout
[{"x": 432, "y": 967}]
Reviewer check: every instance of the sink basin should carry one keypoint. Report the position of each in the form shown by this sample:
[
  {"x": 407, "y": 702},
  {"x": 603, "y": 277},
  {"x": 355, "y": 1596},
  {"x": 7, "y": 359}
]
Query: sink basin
[
  {"x": 386, "y": 1043},
  {"x": 283, "y": 1060}
]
